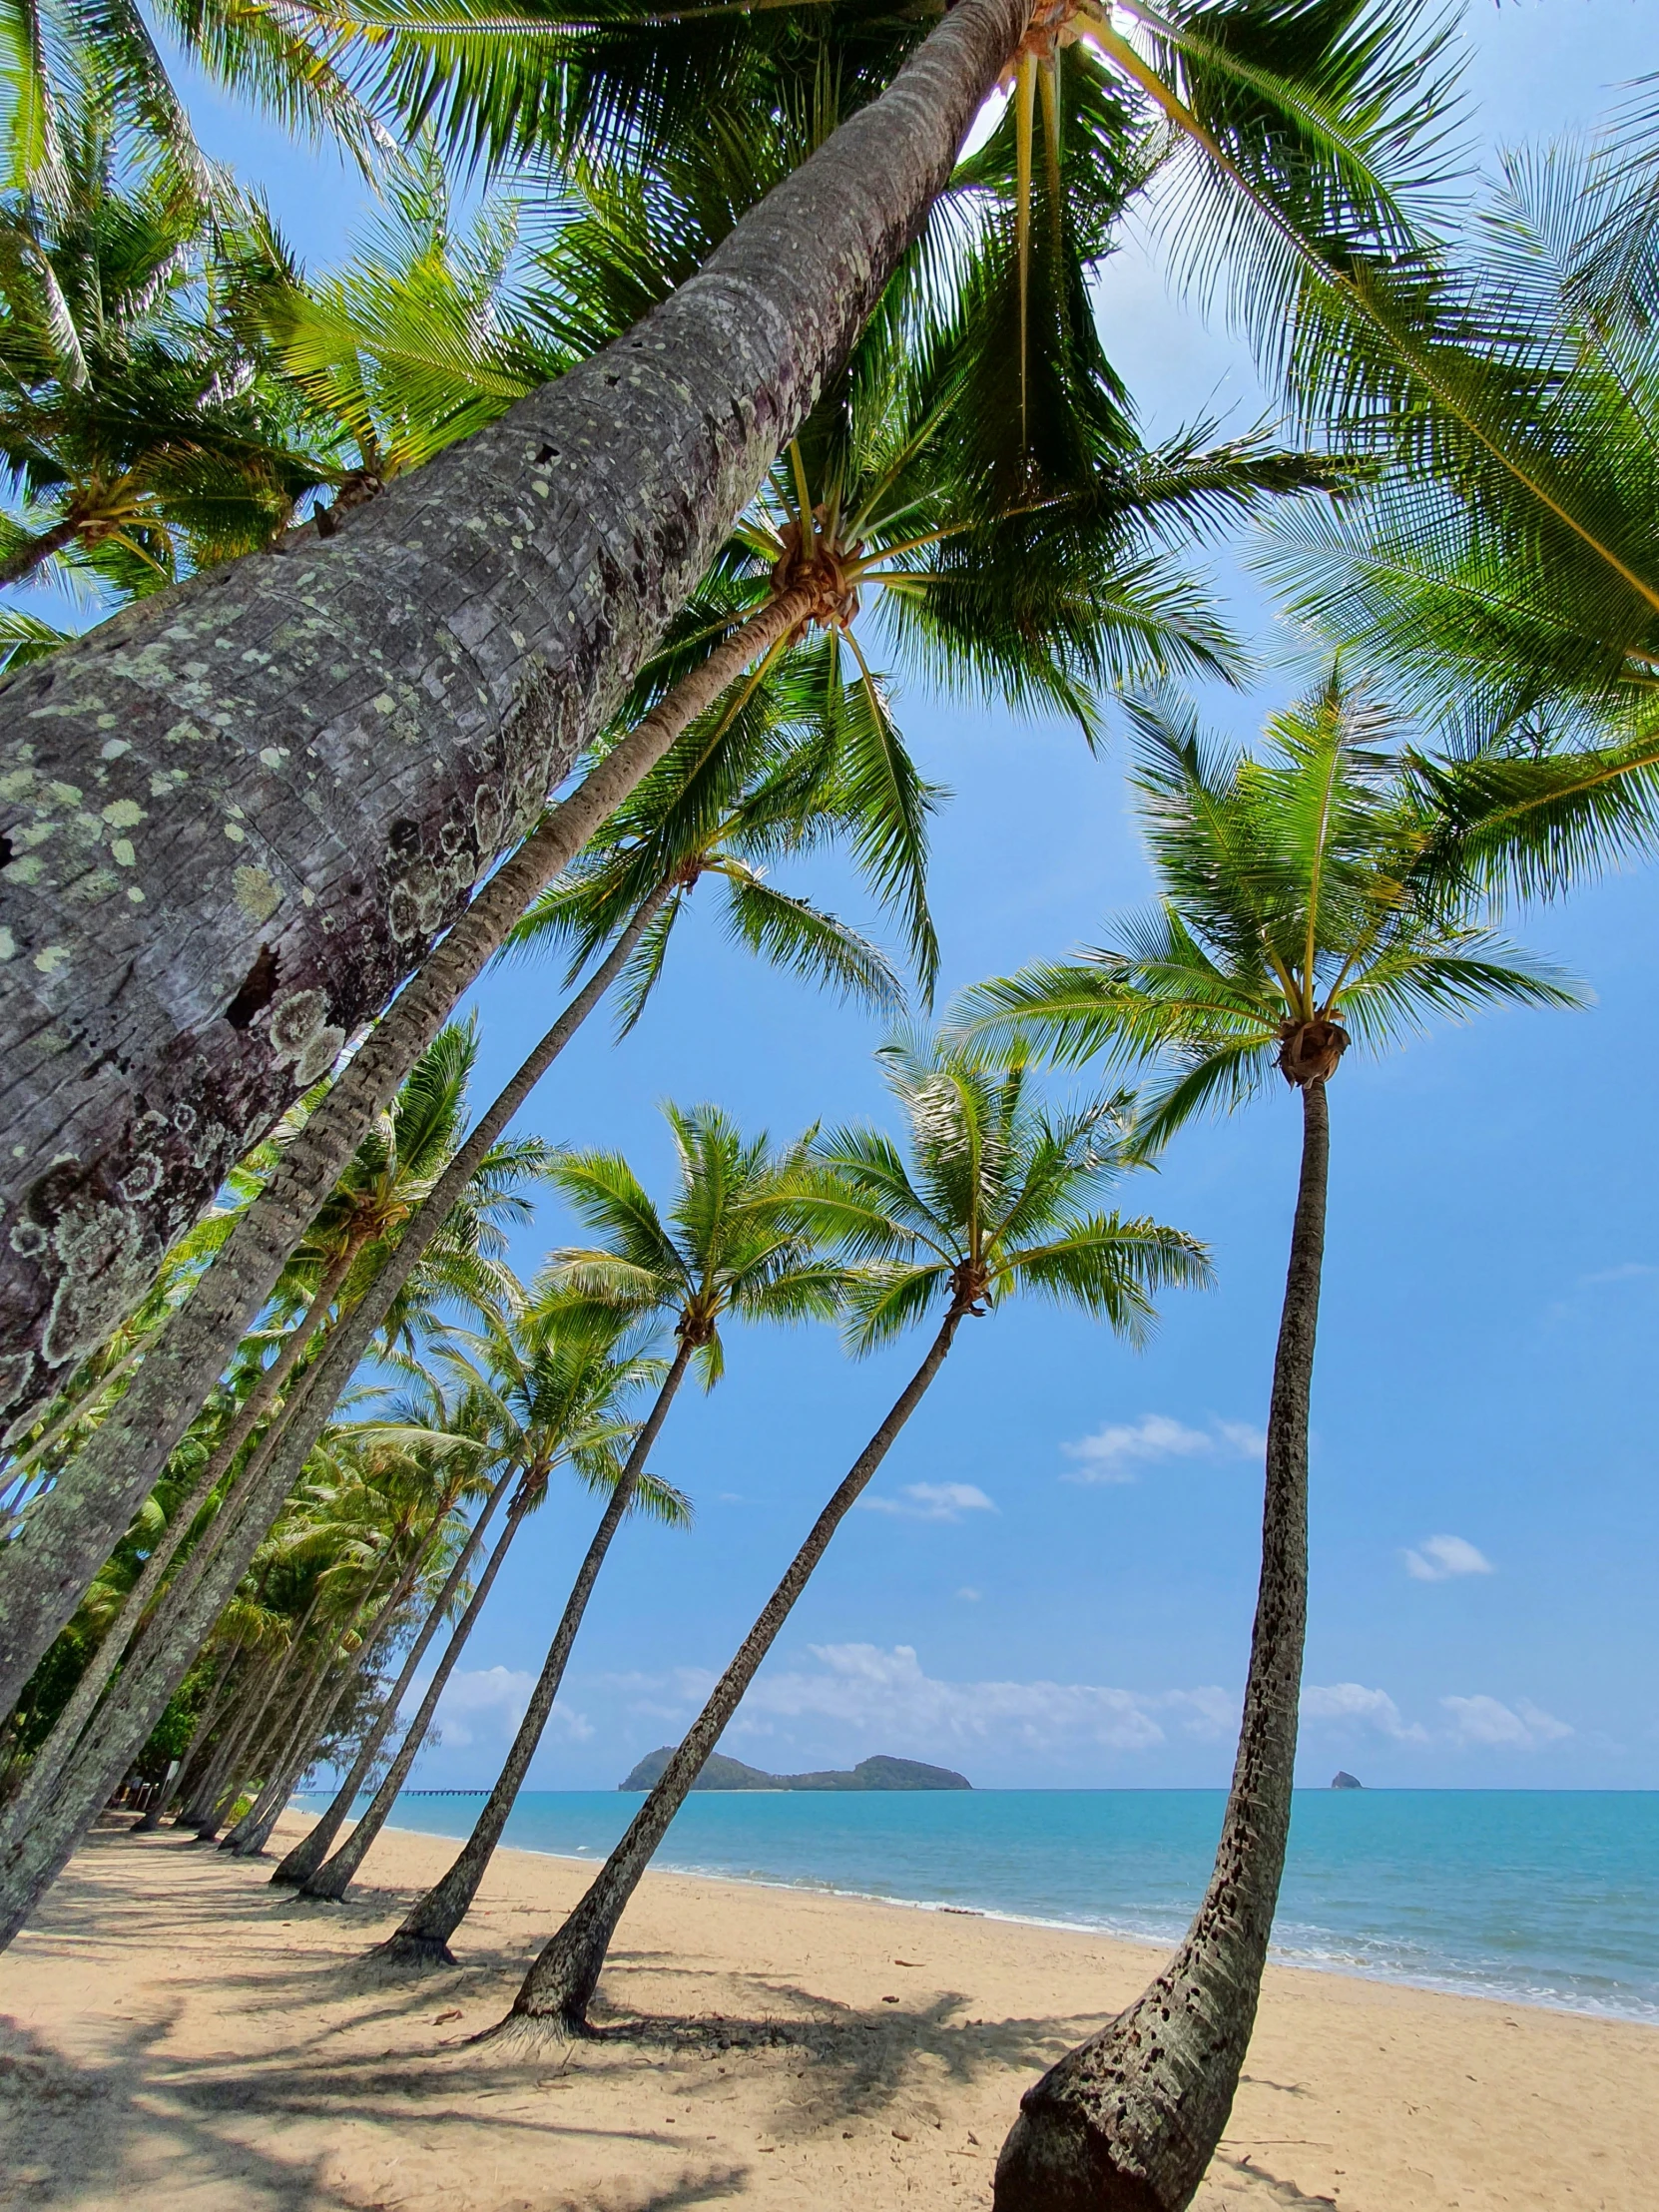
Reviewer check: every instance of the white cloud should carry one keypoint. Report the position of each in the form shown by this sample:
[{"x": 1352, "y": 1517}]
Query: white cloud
[
  {"x": 1483, "y": 1720},
  {"x": 933, "y": 1501},
  {"x": 1352, "y": 1700},
  {"x": 1441, "y": 1557},
  {"x": 488, "y": 1705},
  {"x": 968, "y": 1595},
  {"x": 887, "y": 1694},
  {"x": 673, "y": 1695},
  {"x": 1115, "y": 1452},
  {"x": 1628, "y": 1270}
]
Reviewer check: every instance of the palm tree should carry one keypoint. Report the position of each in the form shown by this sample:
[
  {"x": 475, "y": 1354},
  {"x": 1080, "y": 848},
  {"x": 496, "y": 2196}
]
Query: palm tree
[
  {"x": 141, "y": 434},
  {"x": 405, "y": 1161},
  {"x": 734, "y": 1245},
  {"x": 1293, "y": 915},
  {"x": 286, "y": 64},
  {"x": 645, "y": 457},
  {"x": 1506, "y": 564},
  {"x": 991, "y": 1204}
]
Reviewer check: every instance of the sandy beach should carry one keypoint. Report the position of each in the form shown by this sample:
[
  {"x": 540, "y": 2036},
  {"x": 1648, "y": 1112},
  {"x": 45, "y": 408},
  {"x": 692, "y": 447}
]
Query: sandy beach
[{"x": 175, "y": 2033}]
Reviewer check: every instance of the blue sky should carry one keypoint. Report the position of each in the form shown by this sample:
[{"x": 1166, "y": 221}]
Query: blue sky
[{"x": 1053, "y": 1582}]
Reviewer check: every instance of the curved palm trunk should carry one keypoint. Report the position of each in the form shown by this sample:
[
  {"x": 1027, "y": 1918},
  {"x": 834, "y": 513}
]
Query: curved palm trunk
[
  {"x": 312, "y": 1848},
  {"x": 559, "y": 1987},
  {"x": 19, "y": 566},
  {"x": 202, "y": 1808},
  {"x": 160, "y": 1657},
  {"x": 67, "y": 1535},
  {"x": 425, "y": 1932},
  {"x": 332, "y": 1880},
  {"x": 466, "y": 634},
  {"x": 313, "y": 1724},
  {"x": 60, "y": 1745},
  {"x": 208, "y": 1578},
  {"x": 283, "y": 1748},
  {"x": 1129, "y": 2120},
  {"x": 194, "y": 1761}
]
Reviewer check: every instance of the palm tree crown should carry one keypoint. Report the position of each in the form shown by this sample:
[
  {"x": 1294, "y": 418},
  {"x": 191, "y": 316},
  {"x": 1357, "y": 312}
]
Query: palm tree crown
[
  {"x": 993, "y": 1200},
  {"x": 1303, "y": 905},
  {"x": 734, "y": 1241}
]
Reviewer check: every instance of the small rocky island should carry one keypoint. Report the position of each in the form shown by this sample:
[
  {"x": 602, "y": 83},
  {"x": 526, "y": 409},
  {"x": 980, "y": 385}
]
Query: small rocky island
[
  {"x": 1342, "y": 1780},
  {"x": 722, "y": 1773}
]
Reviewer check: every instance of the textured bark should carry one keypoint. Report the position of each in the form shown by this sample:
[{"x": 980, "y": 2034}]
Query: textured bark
[
  {"x": 434, "y": 1917},
  {"x": 159, "y": 1662},
  {"x": 241, "y": 810},
  {"x": 70, "y": 1532},
  {"x": 560, "y": 1985},
  {"x": 49, "y": 1760},
  {"x": 332, "y": 1880},
  {"x": 312, "y": 1848},
  {"x": 1129, "y": 2121}
]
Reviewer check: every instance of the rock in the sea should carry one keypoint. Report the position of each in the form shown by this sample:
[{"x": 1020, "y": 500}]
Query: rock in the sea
[
  {"x": 879, "y": 1773},
  {"x": 1342, "y": 1780}
]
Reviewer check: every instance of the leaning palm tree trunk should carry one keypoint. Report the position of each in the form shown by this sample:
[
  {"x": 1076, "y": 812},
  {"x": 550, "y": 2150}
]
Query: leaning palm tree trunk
[
  {"x": 332, "y": 1880},
  {"x": 481, "y": 618},
  {"x": 602, "y": 499},
  {"x": 560, "y": 1985},
  {"x": 312, "y": 1848},
  {"x": 66, "y": 1732},
  {"x": 1129, "y": 2120},
  {"x": 337, "y": 1680},
  {"x": 29, "y": 1867},
  {"x": 426, "y": 1933}
]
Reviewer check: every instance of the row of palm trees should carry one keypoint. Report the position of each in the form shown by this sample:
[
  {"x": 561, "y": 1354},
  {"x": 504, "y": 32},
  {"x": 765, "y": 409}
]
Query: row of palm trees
[{"x": 969, "y": 474}]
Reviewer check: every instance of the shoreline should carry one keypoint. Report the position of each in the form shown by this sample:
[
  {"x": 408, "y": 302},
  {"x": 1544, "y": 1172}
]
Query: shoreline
[
  {"x": 1291, "y": 1961},
  {"x": 181, "y": 2036}
]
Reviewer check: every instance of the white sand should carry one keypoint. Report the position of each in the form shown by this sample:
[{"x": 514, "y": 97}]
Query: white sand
[{"x": 179, "y": 2034}]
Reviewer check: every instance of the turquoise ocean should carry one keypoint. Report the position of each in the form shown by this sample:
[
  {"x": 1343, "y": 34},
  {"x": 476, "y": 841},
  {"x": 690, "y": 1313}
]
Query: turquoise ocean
[{"x": 1534, "y": 1896}]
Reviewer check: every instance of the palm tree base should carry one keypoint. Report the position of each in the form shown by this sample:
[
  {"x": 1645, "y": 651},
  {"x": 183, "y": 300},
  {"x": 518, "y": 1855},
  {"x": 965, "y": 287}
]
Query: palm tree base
[
  {"x": 1054, "y": 2161},
  {"x": 414, "y": 1951}
]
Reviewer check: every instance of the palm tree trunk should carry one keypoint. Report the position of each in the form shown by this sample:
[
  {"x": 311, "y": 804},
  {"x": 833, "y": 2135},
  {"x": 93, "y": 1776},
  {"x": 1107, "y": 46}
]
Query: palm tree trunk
[
  {"x": 332, "y": 1880},
  {"x": 161, "y": 1658},
  {"x": 200, "y": 1809},
  {"x": 284, "y": 1747},
  {"x": 1129, "y": 2120},
  {"x": 139, "y": 1698},
  {"x": 378, "y": 716},
  {"x": 69, "y": 1533},
  {"x": 425, "y": 1932},
  {"x": 195, "y": 1762},
  {"x": 18, "y": 1470},
  {"x": 337, "y": 1678},
  {"x": 22, "y": 564},
  {"x": 66, "y": 1732},
  {"x": 559, "y": 1987},
  {"x": 308, "y": 1853}
]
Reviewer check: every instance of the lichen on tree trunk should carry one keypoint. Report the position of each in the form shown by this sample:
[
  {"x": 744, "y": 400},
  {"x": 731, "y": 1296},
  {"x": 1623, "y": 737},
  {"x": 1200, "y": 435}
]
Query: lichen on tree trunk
[{"x": 238, "y": 812}]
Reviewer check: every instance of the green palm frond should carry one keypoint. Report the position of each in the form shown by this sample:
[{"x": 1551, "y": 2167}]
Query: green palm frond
[{"x": 1318, "y": 881}]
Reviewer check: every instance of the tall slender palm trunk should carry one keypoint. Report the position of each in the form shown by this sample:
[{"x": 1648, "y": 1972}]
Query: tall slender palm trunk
[
  {"x": 560, "y": 1985},
  {"x": 1129, "y": 2120},
  {"x": 170, "y": 1645},
  {"x": 312, "y": 1848},
  {"x": 70, "y": 1532},
  {"x": 336, "y": 1876},
  {"x": 338, "y": 1679},
  {"x": 444, "y": 691},
  {"x": 66, "y": 1732},
  {"x": 425, "y": 1932}
]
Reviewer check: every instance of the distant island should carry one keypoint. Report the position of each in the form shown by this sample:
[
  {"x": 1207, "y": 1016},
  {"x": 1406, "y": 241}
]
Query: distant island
[
  {"x": 1345, "y": 1781},
  {"x": 722, "y": 1773}
]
